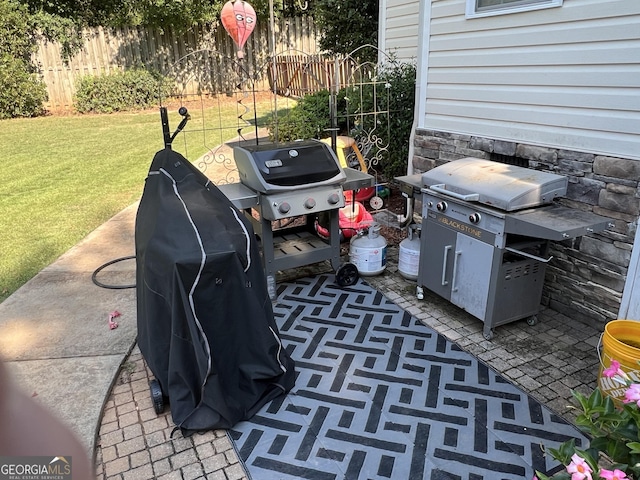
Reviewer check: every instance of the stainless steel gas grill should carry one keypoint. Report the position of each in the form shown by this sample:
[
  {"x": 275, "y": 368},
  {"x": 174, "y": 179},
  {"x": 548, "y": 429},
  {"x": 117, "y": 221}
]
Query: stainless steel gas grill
[
  {"x": 485, "y": 233},
  {"x": 289, "y": 180}
]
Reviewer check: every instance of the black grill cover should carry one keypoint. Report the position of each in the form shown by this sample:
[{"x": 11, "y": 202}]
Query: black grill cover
[{"x": 205, "y": 321}]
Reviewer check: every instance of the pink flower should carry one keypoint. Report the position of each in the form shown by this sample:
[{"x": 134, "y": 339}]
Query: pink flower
[
  {"x": 632, "y": 394},
  {"x": 578, "y": 468},
  {"x": 612, "y": 370},
  {"x": 615, "y": 475}
]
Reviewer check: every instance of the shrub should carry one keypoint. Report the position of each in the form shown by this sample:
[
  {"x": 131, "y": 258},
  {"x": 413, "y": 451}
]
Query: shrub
[
  {"x": 120, "y": 91},
  {"x": 393, "y": 91},
  {"x": 310, "y": 118},
  {"x": 22, "y": 94}
]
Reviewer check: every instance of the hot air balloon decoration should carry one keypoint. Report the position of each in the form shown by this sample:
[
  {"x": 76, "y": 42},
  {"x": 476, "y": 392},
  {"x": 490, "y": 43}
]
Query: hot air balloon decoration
[{"x": 239, "y": 20}]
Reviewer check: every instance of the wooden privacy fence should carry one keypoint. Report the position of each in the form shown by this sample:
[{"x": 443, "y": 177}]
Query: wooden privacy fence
[
  {"x": 298, "y": 75},
  {"x": 185, "y": 57}
]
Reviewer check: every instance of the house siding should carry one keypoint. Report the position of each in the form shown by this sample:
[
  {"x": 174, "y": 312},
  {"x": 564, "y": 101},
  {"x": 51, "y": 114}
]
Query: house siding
[
  {"x": 400, "y": 29},
  {"x": 565, "y": 77}
]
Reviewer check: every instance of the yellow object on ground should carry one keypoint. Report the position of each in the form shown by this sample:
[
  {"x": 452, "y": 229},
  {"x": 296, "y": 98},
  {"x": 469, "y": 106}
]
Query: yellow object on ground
[
  {"x": 621, "y": 342},
  {"x": 348, "y": 153}
]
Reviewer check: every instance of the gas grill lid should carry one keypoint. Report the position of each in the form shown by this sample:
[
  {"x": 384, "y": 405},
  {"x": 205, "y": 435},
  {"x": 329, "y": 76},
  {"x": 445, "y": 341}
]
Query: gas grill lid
[
  {"x": 279, "y": 167},
  {"x": 506, "y": 187}
]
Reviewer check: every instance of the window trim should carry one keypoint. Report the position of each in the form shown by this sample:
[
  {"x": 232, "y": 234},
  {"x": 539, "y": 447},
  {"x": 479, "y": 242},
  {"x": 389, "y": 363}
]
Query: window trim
[{"x": 471, "y": 11}]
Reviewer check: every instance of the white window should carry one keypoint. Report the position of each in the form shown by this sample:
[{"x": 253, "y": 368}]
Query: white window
[{"x": 485, "y": 8}]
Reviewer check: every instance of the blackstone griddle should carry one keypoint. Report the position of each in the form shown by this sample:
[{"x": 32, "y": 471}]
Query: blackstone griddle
[{"x": 485, "y": 233}]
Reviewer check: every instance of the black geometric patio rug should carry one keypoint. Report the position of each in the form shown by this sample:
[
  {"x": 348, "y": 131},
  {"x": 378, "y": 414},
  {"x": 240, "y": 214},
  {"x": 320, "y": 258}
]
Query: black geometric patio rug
[{"x": 379, "y": 395}]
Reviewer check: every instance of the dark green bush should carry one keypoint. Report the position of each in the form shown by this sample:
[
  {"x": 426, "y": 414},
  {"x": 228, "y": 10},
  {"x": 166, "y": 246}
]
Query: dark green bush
[
  {"x": 22, "y": 94},
  {"x": 384, "y": 106},
  {"x": 115, "y": 92},
  {"x": 310, "y": 118}
]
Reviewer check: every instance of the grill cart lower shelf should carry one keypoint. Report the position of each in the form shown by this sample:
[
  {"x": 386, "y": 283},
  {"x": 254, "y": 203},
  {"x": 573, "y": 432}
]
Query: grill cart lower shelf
[
  {"x": 295, "y": 247},
  {"x": 287, "y": 246}
]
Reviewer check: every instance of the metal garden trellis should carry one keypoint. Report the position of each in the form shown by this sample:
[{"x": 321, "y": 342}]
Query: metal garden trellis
[{"x": 358, "y": 100}]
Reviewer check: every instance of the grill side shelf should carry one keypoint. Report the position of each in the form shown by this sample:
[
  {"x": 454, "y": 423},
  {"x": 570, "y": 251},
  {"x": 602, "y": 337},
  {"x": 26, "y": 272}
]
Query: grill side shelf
[
  {"x": 554, "y": 222},
  {"x": 241, "y": 196}
]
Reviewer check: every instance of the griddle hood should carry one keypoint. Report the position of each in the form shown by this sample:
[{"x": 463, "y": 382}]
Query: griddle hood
[{"x": 506, "y": 187}]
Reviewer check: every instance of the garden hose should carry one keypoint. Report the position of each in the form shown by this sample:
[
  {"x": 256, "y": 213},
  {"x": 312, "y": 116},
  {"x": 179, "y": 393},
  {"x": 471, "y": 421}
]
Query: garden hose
[{"x": 101, "y": 267}]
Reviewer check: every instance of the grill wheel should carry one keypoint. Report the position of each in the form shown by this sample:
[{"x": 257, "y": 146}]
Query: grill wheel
[
  {"x": 156, "y": 396},
  {"x": 347, "y": 275}
]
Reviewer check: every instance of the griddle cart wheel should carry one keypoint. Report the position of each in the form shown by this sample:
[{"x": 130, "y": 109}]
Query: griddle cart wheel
[
  {"x": 347, "y": 275},
  {"x": 156, "y": 396},
  {"x": 532, "y": 320}
]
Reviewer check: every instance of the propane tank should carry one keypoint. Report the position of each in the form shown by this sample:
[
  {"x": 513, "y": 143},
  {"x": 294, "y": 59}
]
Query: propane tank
[
  {"x": 369, "y": 252},
  {"x": 409, "y": 255}
]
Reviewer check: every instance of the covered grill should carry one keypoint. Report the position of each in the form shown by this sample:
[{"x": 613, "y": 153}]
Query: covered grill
[
  {"x": 485, "y": 233},
  {"x": 205, "y": 325},
  {"x": 294, "y": 179}
]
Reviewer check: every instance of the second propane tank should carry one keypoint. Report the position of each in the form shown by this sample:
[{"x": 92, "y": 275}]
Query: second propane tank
[
  {"x": 409, "y": 255},
  {"x": 368, "y": 252}
]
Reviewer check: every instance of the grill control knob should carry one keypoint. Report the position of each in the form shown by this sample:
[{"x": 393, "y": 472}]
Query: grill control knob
[
  {"x": 284, "y": 207},
  {"x": 474, "y": 217},
  {"x": 333, "y": 199},
  {"x": 309, "y": 203},
  {"x": 441, "y": 206}
]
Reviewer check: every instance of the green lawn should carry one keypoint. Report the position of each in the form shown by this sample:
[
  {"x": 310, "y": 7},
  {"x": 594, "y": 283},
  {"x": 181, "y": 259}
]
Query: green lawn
[{"x": 63, "y": 176}]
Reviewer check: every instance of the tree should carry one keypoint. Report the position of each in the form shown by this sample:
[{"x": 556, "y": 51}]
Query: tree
[
  {"x": 347, "y": 25},
  {"x": 16, "y": 39},
  {"x": 64, "y": 20},
  {"x": 22, "y": 93},
  {"x": 179, "y": 15}
]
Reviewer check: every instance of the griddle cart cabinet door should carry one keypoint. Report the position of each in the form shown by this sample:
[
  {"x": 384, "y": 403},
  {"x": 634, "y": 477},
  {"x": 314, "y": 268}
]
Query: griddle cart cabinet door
[
  {"x": 437, "y": 248},
  {"x": 469, "y": 283},
  {"x": 455, "y": 267}
]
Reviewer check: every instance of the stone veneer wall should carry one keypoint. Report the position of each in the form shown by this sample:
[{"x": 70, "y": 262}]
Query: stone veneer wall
[{"x": 586, "y": 277}]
